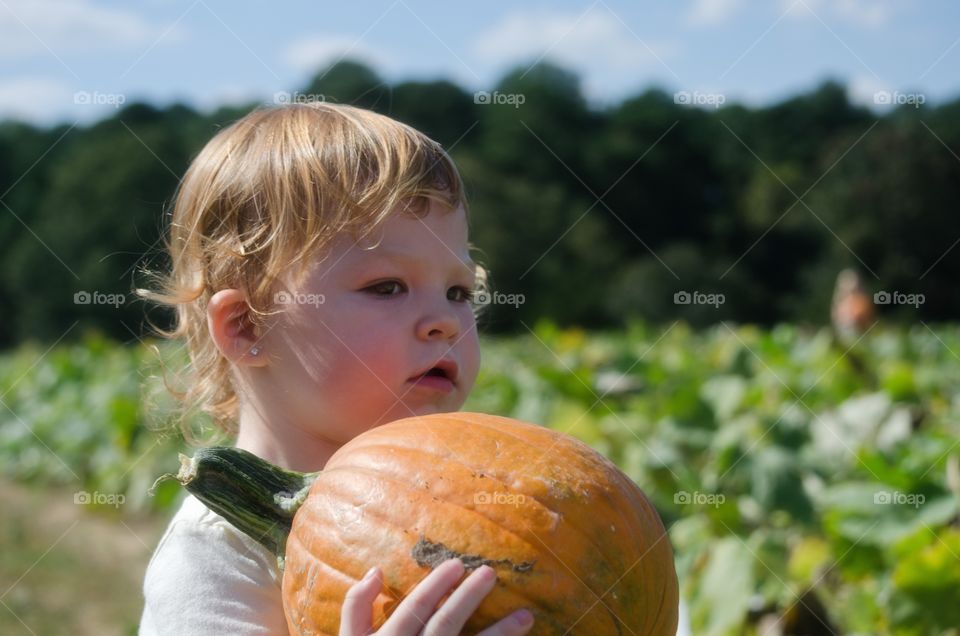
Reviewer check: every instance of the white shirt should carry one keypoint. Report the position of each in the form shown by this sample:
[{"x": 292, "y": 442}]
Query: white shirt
[{"x": 206, "y": 577}]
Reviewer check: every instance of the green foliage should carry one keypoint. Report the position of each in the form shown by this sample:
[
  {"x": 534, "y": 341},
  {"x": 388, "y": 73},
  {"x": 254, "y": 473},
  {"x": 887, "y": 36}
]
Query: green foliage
[
  {"x": 794, "y": 484},
  {"x": 792, "y": 488},
  {"x": 94, "y": 416}
]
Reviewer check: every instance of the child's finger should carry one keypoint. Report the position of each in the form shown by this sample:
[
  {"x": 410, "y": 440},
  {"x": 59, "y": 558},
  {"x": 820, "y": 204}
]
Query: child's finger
[
  {"x": 356, "y": 615},
  {"x": 516, "y": 624},
  {"x": 464, "y": 600},
  {"x": 415, "y": 610}
]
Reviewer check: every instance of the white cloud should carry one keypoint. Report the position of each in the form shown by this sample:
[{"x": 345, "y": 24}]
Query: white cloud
[
  {"x": 35, "y": 99},
  {"x": 314, "y": 52},
  {"x": 863, "y": 90},
  {"x": 712, "y": 12},
  {"x": 227, "y": 94},
  {"x": 598, "y": 39},
  {"x": 870, "y": 14},
  {"x": 34, "y": 26}
]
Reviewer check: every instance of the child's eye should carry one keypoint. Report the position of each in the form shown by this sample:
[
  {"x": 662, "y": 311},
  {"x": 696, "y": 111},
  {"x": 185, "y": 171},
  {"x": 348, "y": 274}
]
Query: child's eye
[
  {"x": 460, "y": 294},
  {"x": 385, "y": 288}
]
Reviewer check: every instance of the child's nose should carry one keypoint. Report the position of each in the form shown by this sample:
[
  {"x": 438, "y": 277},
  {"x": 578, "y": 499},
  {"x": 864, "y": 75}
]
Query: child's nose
[{"x": 439, "y": 324}]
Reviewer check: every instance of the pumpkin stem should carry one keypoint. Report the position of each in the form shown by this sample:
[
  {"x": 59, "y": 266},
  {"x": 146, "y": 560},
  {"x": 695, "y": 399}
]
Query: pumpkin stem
[{"x": 257, "y": 497}]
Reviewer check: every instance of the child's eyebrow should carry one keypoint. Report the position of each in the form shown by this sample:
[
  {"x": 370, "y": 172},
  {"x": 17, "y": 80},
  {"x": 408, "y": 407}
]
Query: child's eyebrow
[{"x": 385, "y": 253}]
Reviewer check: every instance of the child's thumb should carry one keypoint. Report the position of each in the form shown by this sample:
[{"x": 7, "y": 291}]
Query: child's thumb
[{"x": 356, "y": 617}]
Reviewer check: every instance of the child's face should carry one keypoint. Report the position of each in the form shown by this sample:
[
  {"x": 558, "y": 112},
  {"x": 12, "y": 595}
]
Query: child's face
[{"x": 347, "y": 353}]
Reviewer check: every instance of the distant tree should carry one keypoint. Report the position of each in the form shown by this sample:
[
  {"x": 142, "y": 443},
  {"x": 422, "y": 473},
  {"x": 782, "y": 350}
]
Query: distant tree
[
  {"x": 102, "y": 211},
  {"x": 541, "y": 243},
  {"x": 441, "y": 109},
  {"x": 892, "y": 204},
  {"x": 779, "y": 238},
  {"x": 693, "y": 199},
  {"x": 351, "y": 82},
  {"x": 647, "y": 157},
  {"x": 795, "y": 129},
  {"x": 537, "y": 124},
  {"x": 25, "y": 154}
]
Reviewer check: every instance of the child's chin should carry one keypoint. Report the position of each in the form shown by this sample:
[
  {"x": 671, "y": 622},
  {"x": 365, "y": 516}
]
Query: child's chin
[{"x": 431, "y": 409}]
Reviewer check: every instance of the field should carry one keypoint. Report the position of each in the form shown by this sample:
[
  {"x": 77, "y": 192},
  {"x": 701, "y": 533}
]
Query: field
[{"x": 809, "y": 485}]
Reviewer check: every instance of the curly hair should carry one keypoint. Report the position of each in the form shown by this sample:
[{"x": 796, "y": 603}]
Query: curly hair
[{"x": 265, "y": 196}]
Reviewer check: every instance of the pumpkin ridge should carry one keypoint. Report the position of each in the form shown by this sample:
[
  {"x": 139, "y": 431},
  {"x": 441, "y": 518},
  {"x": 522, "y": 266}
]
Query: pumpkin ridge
[
  {"x": 583, "y": 449},
  {"x": 472, "y": 423},
  {"x": 515, "y": 592},
  {"x": 621, "y": 577},
  {"x": 335, "y": 604},
  {"x": 563, "y": 437},
  {"x": 566, "y": 569},
  {"x": 648, "y": 507},
  {"x": 394, "y": 478},
  {"x": 577, "y": 530},
  {"x": 663, "y": 597},
  {"x": 333, "y": 488},
  {"x": 648, "y": 519},
  {"x": 506, "y": 428},
  {"x": 556, "y": 559},
  {"x": 374, "y": 443},
  {"x": 660, "y": 614},
  {"x": 599, "y": 599},
  {"x": 503, "y": 429},
  {"x": 452, "y": 458},
  {"x": 348, "y": 578},
  {"x": 616, "y": 620}
]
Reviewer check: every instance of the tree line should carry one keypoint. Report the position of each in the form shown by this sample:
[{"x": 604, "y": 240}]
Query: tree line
[{"x": 649, "y": 208}]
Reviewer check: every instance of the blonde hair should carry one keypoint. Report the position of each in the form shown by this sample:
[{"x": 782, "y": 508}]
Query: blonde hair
[{"x": 267, "y": 194}]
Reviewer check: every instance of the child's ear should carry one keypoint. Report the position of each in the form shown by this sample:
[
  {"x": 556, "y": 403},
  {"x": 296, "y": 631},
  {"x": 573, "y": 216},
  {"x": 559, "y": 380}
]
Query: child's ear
[{"x": 230, "y": 327}]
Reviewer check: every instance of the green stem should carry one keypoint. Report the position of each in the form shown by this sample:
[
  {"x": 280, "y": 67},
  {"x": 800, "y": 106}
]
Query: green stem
[{"x": 258, "y": 498}]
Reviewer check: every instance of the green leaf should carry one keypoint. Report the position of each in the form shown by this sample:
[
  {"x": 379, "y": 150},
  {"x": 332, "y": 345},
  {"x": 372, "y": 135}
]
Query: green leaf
[
  {"x": 724, "y": 394},
  {"x": 930, "y": 577},
  {"x": 726, "y": 586}
]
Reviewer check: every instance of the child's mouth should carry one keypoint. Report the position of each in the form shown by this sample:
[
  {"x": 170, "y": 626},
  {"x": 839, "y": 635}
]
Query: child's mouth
[{"x": 436, "y": 379}]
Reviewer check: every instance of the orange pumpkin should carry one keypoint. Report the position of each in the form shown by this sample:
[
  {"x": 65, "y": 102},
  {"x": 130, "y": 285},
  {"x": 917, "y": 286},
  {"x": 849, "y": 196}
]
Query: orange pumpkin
[{"x": 570, "y": 536}]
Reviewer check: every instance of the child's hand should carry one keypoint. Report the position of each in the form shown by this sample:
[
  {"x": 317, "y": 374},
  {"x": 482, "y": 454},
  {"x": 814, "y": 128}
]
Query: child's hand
[{"x": 415, "y": 614}]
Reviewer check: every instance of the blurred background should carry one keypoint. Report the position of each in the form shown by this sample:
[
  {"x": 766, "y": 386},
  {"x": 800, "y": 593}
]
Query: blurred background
[{"x": 723, "y": 243}]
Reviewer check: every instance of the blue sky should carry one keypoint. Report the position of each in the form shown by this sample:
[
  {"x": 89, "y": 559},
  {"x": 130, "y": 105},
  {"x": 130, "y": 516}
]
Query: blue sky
[{"x": 212, "y": 52}]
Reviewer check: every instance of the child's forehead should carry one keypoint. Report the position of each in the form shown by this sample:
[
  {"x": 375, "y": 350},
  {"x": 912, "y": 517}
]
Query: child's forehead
[
  {"x": 443, "y": 230},
  {"x": 438, "y": 237},
  {"x": 406, "y": 256}
]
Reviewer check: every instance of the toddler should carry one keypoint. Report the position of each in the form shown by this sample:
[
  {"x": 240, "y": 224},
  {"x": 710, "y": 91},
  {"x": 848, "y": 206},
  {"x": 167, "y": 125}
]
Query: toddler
[{"x": 321, "y": 278}]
